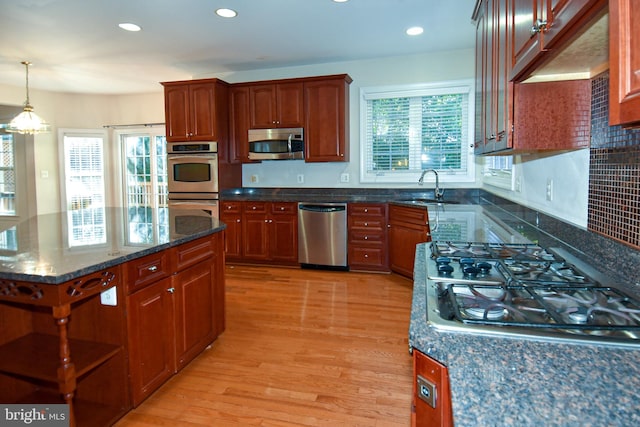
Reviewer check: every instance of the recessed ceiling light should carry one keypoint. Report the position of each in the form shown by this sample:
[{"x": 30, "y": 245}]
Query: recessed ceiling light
[
  {"x": 340, "y": 1},
  {"x": 129, "y": 26},
  {"x": 415, "y": 31},
  {"x": 226, "y": 13}
]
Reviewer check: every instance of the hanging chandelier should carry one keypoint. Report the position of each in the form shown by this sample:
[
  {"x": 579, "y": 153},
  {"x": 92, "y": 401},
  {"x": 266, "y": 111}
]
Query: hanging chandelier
[{"x": 28, "y": 122}]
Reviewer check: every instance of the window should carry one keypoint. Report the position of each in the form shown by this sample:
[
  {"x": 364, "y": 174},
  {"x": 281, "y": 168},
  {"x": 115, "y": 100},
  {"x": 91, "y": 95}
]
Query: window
[
  {"x": 84, "y": 187},
  {"x": 411, "y": 128},
  {"x": 7, "y": 175},
  {"x": 498, "y": 171},
  {"x": 145, "y": 184}
]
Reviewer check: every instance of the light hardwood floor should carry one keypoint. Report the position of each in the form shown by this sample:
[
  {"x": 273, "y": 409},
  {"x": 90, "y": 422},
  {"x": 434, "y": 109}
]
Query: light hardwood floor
[{"x": 301, "y": 348}]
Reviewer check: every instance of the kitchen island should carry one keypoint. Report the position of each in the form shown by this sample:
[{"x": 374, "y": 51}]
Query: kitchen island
[
  {"x": 80, "y": 289},
  {"x": 522, "y": 381}
]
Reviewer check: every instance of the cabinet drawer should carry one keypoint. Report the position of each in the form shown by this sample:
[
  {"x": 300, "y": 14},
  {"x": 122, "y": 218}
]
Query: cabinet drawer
[
  {"x": 367, "y": 257},
  {"x": 289, "y": 208},
  {"x": 368, "y": 223},
  {"x": 368, "y": 236},
  {"x": 357, "y": 209},
  {"x": 148, "y": 269},
  {"x": 193, "y": 252},
  {"x": 255, "y": 207},
  {"x": 231, "y": 207}
]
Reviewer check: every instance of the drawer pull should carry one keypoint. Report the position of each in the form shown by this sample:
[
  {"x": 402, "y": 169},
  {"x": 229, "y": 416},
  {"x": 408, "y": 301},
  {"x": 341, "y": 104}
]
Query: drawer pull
[
  {"x": 153, "y": 268},
  {"x": 171, "y": 290}
]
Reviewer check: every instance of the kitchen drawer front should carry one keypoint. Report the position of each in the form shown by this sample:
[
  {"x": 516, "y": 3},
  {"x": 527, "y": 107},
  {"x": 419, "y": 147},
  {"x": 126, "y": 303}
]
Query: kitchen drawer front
[
  {"x": 146, "y": 270},
  {"x": 193, "y": 252},
  {"x": 255, "y": 207},
  {"x": 286, "y": 208},
  {"x": 367, "y": 258},
  {"x": 367, "y": 236},
  {"x": 231, "y": 207},
  {"x": 360, "y": 209},
  {"x": 367, "y": 223}
]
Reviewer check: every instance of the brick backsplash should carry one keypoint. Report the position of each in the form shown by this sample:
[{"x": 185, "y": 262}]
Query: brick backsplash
[{"x": 614, "y": 172}]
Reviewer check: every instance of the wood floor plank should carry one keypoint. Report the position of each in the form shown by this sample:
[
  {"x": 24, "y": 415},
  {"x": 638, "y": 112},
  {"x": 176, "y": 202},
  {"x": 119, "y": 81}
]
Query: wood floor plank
[{"x": 301, "y": 348}]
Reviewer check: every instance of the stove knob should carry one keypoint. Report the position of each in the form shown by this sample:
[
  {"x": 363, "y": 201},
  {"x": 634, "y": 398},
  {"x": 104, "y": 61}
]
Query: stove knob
[
  {"x": 484, "y": 267},
  {"x": 470, "y": 271},
  {"x": 466, "y": 261},
  {"x": 445, "y": 270},
  {"x": 443, "y": 260}
]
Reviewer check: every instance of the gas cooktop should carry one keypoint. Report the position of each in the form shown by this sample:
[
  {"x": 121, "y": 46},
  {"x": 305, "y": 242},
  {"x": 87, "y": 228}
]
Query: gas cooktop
[{"x": 524, "y": 289}]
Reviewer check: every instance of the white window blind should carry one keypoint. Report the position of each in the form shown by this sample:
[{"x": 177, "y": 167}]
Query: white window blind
[
  {"x": 85, "y": 188},
  {"x": 407, "y": 130}
]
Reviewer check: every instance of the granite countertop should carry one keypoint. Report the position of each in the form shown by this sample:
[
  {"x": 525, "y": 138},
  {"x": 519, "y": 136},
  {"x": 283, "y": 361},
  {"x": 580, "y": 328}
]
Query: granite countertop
[
  {"x": 38, "y": 249},
  {"x": 522, "y": 381}
]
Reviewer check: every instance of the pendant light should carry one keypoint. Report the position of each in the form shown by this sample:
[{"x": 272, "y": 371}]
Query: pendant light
[{"x": 28, "y": 122}]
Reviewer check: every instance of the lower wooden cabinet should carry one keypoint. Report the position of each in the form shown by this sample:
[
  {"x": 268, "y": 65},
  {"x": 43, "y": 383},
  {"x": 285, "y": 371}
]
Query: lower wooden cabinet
[
  {"x": 407, "y": 228},
  {"x": 174, "y": 318},
  {"x": 431, "y": 398},
  {"x": 367, "y": 231},
  {"x": 264, "y": 232}
]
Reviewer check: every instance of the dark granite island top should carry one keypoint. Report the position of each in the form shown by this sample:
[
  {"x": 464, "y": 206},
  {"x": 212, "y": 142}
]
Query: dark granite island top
[
  {"x": 513, "y": 381},
  {"x": 54, "y": 248}
]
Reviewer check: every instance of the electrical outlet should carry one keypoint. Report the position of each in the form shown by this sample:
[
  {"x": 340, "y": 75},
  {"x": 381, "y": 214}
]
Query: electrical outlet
[
  {"x": 344, "y": 177},
  {"x": 549, "y": 189},
  {"x": 254, "y": 179},
  {"x": 518, "y": 184},
  {"x": 300, "y": 178},
  {"x": 109, "y": 297}
]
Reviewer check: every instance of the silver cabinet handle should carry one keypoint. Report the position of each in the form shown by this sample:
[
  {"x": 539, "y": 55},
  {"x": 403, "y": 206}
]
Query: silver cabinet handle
[
  {"x": 538, "y": 27},
  {"x": 171, "y": 290},
  {"x": 153, "y": 268}
]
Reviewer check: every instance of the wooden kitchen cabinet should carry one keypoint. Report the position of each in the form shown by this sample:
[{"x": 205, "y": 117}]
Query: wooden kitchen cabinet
[
  {"x": 175, "y": 317},
  {"x": 431, "y": 398},
  {"x": 239, "y": 124},
  {"x": 196, "y": 110},
  {"x": 326, "y": 124},
  {"x": 367, "y": 241},
  {"x": 231, "y": 215},
  {"x": 624, "y": 62},
  {"x": 541, "y": 26},
  {"x": 61, "y": 345},
  {"x": 276, "y": 105},
  {"x": 407, "y": 228},
  {"x": 270, "y": 232}
]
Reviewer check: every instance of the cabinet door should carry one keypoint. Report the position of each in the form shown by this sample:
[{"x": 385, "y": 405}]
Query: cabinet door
[
  {"x": 177, "y": 112},
  {"x": 194, "y": 317},
  {"x": 151, "y": 338},
  {"x": 624, "y": 61},
  {"x": 255, "y": 231},
  {"x": 502, "y": 87},
  {"x": 431, "y": 393},
  {"x": 203, "y": 112},
  {"x": 407, "y": 228},
  {"x": 566, "y": 19},
  {"x": 239, "y": 125},
  {"x": 290, "y": 105},
  {"x": 283, "y": 232},
  {"x": 482, "y": 75},
  {"x": 526, "y": 18},
  {"x": 326, "y": 120},
  {"x": 263, "y": 106}
]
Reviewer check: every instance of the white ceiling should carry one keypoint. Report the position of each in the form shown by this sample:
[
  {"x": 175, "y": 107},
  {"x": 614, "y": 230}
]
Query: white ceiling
[{"x": 76, "y": 45}]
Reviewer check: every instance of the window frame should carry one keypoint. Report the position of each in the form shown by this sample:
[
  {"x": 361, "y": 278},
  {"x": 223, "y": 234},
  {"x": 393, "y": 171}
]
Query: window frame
[{"x": 465, "y": 86}]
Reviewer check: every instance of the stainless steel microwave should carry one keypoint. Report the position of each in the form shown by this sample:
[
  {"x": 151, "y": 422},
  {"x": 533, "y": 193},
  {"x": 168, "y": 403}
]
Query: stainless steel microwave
[{"x": 276, "y": 144}]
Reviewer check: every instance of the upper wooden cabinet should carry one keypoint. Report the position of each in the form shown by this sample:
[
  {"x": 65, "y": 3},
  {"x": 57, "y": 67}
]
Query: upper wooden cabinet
[
  {"x": 276, "y": 105},
  {"x": 239, "y": 124},
  {"x": 541, "y": 26},
  {"x": 326, "y": 123},
  {"x": 195, "y": 110},
  {"x": 624, "y": 62}
]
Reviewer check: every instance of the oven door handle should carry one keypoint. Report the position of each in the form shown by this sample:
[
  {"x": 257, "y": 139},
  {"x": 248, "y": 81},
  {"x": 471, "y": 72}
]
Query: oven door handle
[{"x": 198, "y": 157}]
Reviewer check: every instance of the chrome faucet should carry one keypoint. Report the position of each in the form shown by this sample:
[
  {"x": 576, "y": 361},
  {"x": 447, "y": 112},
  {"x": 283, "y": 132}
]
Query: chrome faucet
[{"x": 438, "y": 192}]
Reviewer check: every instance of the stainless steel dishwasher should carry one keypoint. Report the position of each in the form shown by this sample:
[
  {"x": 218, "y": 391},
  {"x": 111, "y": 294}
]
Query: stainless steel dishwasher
[{"x": 322, "y": 235}]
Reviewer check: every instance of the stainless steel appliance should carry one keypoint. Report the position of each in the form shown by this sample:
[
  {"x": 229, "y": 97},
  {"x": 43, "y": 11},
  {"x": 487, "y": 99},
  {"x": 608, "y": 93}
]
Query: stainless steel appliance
[
  {"x": 322, "y": 235},
  {"x": 192, "y": 170},
  {"x": 526, "y": 290},
  {"x": 276, "y": 144},
  {"x": 185, "y": 216}
]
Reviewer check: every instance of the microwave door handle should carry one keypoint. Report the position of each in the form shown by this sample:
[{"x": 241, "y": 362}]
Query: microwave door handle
[{"x": 289, "y": 142}]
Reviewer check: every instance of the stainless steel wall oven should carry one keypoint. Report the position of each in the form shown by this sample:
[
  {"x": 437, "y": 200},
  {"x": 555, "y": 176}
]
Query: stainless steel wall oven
[{"x": 192, "y": 170}]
